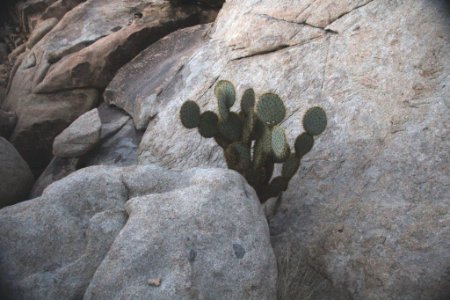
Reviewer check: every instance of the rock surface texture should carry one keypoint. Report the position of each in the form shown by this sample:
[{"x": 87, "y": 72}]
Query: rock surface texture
[
  {"x": 114, "y": 233},
  {"x": 69, "y": 63},
  {"x": 370, "y": 204},
  {"x": 16, "y": 178},
  {"x": 137, "y": 85},
  {"x": 366, "y": 217},
  {"x": 80, "y": 137},
  {"x": 114, "y": 141}
]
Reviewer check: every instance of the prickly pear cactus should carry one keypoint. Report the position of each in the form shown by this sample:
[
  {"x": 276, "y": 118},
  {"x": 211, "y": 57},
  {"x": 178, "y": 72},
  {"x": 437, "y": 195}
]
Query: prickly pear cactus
[{"x": 257, "y": 125}]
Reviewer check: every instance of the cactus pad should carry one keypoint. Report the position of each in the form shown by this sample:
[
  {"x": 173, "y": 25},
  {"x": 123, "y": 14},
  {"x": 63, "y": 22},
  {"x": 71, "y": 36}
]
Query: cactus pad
[
  {"x": 303, "y": 144},
  {"x": 290, "y": 167},
  {"x": 208, "y": 124},
  {"x": 226, "y": 96},
  {"x": 248, "y": 127},
  {"x": 315, "y": 121},
  {"x": 277, "y": 185},
  {"x": 280, "y": 146},
  {"x": 231, "y": 129},
  {"x": 190, "y": 114},
  {"x": 270, "y": 109},
  {"x": 238, "y": 156},
  {"x": 248, "y": 101},
  {"x": 263, "y": 147}
]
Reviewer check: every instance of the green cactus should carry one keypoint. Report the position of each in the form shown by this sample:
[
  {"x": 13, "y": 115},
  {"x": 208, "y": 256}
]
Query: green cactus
[
  {"x": 190, "y": 114},
  {"x": 303, "y": 144},
  {"x": 315, "y": 121},
  {"x": 238, "y": 156},
  {"x": 263, "y": 147},
  {"x": 290, "y": 166},
  {"x": 280, "y": 147},
  {"x": 277, "y": 186},
  {"x": 270, "y": 109},
  {"x": 226, "y": 96},
  {"x": 252, "y": 140},
  {"x": 248, "y": 127},
  {"x": 248, "y": 101},
  {"x": 231, "y": 129},
  {"x": 208, "y": 124}
]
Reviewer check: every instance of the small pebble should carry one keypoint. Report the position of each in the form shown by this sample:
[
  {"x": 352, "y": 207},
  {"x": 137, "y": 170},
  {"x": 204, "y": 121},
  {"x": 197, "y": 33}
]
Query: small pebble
[{"x": 154, "y": 281}]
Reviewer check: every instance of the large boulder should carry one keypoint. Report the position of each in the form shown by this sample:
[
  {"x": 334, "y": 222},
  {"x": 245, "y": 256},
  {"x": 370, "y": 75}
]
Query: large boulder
[
  {"x": 368, "y": 211},
  {"x": 16, "y": 178},
  {"x": 141, "y": 232},
  {"x": 80, "y": 55}
]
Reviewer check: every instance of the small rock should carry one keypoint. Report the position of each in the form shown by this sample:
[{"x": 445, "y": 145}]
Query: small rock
[
  {"x": 80, "y": 137},
  {"x": 154, "y": 281},
  {"x": 29, "y": 61}
]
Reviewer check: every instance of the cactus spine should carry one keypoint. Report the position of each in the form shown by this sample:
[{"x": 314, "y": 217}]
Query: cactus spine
[{"x": 257, "y": 124}]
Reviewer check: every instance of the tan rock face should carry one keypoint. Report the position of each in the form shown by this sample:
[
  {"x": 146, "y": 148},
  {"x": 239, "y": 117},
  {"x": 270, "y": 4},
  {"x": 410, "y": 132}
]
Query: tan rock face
[
  {"x": 57, "y": 80},
  {"x": 380, "y": 69},
  {"x": 40, "y": 31}
]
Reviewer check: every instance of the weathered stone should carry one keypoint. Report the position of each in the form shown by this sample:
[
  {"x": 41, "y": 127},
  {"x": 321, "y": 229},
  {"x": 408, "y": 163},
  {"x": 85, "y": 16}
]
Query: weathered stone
[
  {"x": 7, "y": 122},
  {"x": 80, "y": 137},
  {"x": 58, "y": 168},
  {"x": 52, "y": 245},
  {"x": 82, "y": 52},
  {"x": 175, "y": 231},
  {"x": 40, "y": 31},
  {"x": 121, "y": 34},
  {"x": 381, "y": 168},
  {"x": 15, "y": 175},
  {"x": 136, "y": 86},
  {"x": 16, "y": 52},
  {"x": 41, "y": 117},
  {"x": 118, "y": 149},
  {"x": 112, "y": 118},
  {"x": 117, "y": 146},
  {"x": 59, "y": 8},
  {"x": 31, "y": 11},
  {"x": 190, "y": 246}
]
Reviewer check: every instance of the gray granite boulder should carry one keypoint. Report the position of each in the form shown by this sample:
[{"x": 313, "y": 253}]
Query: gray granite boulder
[
  {"x": 141, "y": 232},
  {"x": 80, "y": 137},
  {"x": 16, "y": 178}
]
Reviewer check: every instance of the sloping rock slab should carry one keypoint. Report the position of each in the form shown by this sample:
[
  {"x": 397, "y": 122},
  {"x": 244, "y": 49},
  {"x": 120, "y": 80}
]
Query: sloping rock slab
[
  {"x": 104, "y": 232},
  {"x": 136, "y": 86}
]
